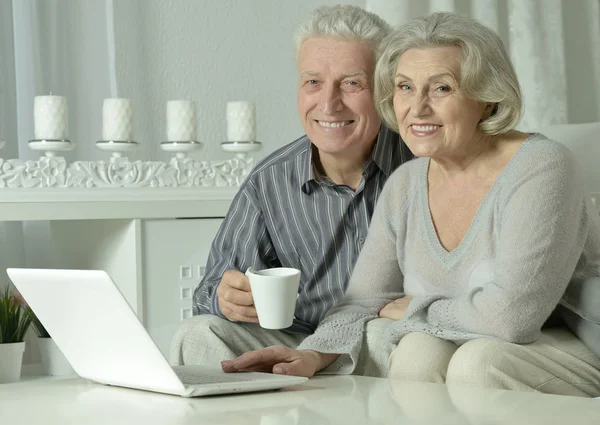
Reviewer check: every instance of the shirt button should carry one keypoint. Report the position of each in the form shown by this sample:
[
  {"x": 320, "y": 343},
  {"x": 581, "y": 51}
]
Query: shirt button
[{"x": 361, "y": 240}]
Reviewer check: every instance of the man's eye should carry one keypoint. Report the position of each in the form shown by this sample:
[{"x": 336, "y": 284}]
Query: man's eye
[
  {"x": 352, "y": 83},
  {"x": 312, "y": 82}
]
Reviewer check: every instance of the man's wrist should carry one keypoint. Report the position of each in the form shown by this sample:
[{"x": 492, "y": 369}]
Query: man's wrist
[{"x": 216, "y": 308}]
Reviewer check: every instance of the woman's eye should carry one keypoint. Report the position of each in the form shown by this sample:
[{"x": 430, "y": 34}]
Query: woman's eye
[
  {"x": 403, "y": 87},
  {"x": 443, "y": 89}
]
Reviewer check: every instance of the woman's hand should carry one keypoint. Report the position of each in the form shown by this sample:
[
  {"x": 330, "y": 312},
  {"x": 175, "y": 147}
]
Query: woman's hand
[
  {"x": 280, "y": 360},
  {"x": 397, "y": 309}
]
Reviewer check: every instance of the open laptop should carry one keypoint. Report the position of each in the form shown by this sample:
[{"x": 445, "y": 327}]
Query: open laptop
[{"x": 101, "y": 336}]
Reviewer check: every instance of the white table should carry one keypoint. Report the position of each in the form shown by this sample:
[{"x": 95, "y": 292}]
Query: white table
[{"x": 322, "y": 400}]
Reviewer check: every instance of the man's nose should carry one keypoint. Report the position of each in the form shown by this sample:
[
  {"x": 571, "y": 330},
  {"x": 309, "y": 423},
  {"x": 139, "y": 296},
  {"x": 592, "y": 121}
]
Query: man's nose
[{"x": 331, "y": 100}]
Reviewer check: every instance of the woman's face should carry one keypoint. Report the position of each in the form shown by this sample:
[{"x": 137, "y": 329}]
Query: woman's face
[{"x": 435, "y": 118}]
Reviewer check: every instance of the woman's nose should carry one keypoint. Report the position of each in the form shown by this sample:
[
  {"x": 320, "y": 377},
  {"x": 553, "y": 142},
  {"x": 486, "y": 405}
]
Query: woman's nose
[{"x": 421, "y": 105}]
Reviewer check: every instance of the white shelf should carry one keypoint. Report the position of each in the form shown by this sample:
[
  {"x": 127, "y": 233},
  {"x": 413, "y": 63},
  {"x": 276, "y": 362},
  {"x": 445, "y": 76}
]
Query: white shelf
[
  {"x": 134, "y": 234},
  {"x": 113, "y": 203}
]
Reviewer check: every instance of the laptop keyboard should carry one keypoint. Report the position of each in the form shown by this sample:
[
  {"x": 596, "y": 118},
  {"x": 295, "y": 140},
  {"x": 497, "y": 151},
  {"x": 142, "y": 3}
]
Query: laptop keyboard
[{"x": 194, "y": 375}]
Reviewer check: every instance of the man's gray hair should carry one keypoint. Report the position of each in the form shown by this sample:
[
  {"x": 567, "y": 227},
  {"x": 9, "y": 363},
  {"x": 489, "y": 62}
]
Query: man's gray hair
[
  {"x": 486, "y": 73},
  {"x": 345, "y": 22}
]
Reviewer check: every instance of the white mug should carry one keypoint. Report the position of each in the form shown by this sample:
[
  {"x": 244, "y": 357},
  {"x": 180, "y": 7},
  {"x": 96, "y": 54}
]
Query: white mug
[{"x": 274, "y": 291}]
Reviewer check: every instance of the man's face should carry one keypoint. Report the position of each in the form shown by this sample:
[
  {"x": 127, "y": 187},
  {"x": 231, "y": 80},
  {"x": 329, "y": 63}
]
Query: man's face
[{"x": 335, "y": 96}]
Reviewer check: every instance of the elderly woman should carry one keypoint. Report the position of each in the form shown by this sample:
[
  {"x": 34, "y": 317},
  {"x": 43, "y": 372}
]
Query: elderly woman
[{"x": 472, "y": 245}]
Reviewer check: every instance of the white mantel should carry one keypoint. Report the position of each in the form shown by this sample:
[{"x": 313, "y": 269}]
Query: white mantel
[
  {"x": 113, "y": 203},
  {"x": 51, "y": 188}
]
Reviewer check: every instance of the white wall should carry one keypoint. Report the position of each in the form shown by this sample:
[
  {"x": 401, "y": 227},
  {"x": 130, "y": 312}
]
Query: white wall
[
  {"x": 59, "y": 47},
  {"x": 582, "y": 59},
  {"x": 8, "y": 116},
  {"x": 211, "y": 51}
]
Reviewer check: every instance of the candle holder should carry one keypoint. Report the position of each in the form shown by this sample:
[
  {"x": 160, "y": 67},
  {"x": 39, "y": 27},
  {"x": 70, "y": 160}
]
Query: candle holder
[
  {"x": 241, "y": 149},
  {"x": 117, "y": 147},
  {"x": 181, "y": 148},
  {"x": 50, "y": 147}
]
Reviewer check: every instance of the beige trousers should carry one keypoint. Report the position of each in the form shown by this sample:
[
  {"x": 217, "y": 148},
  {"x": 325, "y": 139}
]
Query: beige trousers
[
  {"x": 558, "y": 363},
  {"x": 208, "y": 339}
]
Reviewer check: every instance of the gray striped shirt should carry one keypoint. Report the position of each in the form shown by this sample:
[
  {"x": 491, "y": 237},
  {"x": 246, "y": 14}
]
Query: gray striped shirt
[{"x": 287, "y": 215}]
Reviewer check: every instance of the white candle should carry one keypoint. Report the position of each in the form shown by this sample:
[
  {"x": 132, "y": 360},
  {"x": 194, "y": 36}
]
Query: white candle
[
  {"x": 117, "y": 120},
  {"x": 181, "y": 121},
  {"x": 51, "y": 117},
  {"x": 241, "y": 122}
]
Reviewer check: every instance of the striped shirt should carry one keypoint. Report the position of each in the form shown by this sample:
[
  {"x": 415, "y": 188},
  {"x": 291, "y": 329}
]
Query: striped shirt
[{"x": 288, "y": 215}]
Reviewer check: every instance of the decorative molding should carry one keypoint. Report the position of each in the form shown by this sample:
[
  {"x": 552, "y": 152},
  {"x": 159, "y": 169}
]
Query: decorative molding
[{"x": 54, "y": 172}]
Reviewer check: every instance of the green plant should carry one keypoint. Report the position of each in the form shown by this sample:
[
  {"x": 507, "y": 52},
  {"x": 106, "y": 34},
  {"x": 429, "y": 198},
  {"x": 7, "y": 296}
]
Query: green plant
[{"x": 15, "y": 317}]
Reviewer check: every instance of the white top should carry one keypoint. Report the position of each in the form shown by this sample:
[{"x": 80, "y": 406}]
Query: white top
[
  {"x": 531, "y": 235},
  {"x": 346, "y": 400}
]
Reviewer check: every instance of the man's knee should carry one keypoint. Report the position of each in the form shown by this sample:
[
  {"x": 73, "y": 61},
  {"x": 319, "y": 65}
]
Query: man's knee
[
  {"x": 204, "y": 325},
  {"x": 197, "y": 331},
  {"x": 480, "y": 362}
]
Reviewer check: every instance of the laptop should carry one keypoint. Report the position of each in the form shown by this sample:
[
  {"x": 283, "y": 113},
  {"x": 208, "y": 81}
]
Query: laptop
[{"x": 102, "y": 338}]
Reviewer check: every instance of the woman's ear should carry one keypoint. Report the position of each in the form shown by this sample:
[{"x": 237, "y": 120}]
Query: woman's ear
[{"x": 489, "y": 110}]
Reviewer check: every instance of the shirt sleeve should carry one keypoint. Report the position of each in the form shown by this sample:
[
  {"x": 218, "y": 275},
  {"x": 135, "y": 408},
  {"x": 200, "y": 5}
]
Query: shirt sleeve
[
  {"x": 543, "y": 228},
  {"x": 242, "y": 241},
  {"x": 376, "y": 281}
]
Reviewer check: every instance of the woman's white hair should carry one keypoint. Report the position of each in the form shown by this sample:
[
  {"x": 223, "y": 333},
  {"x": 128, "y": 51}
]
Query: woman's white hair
[
  {"x": 345, "y": 22},
  {"x": 486, "y": 73}
]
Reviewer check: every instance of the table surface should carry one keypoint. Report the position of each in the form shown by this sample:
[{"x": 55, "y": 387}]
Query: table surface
[{"x": 321, "y": 400}]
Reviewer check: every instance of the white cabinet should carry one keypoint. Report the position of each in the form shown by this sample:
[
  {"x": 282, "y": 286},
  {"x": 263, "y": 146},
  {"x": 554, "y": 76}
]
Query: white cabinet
[
  {"x": 153, "y": 242},
  {"x": 174, "y": 254}
]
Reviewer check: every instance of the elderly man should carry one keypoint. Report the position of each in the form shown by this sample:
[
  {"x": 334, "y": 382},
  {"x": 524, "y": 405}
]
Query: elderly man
[{"x": 307, "y": 205}]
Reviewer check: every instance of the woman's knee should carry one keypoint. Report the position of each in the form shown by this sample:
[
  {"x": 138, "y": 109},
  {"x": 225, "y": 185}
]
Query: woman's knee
[
  {"x": 420, "y": 357},
  {"x": 481, "y": 362}
]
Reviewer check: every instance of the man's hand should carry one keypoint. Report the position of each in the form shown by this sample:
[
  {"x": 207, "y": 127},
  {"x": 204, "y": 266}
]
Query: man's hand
[
  {"x": 397, "y": 309},
  {"x": 235, "y": 297},
  {"x": 280, "y": 360}
]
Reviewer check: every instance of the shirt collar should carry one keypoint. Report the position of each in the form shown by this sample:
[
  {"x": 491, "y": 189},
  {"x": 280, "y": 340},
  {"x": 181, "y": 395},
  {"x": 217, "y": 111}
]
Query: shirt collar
[
  {"x": 383, "y": 156},
  {"x": 386, "y": 153}
]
